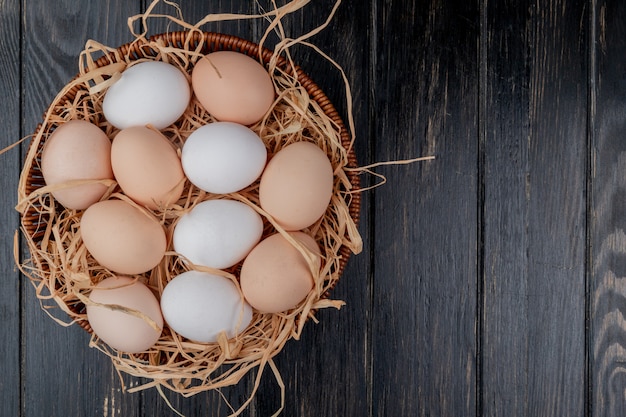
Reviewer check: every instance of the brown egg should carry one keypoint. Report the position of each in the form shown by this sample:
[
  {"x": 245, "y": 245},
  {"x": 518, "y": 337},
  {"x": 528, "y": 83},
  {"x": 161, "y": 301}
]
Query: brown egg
[
  {"x": 232, "y": 87},
  {"x": 275, "y": 276},
  {"x": 297, "y": 185},
  {"x": 122, "y": 330},
  {"x": 122, "y": 238},
  {"x": 147, "y": 167},
  {"x": 77, "y": 150}
]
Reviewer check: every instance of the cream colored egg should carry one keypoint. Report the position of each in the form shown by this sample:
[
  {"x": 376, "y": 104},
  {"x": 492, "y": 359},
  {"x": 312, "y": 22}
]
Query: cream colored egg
[
  {"x": 147, "y": 167},
  {"x": 275, "y": 276},
  {"x": 133, "y": 328},
  {"x": 233, "y": 87},
  {"x": 77, "y": 150},
  {"x": 297, "y": 185},
  {"x": 122, "y": 238}
]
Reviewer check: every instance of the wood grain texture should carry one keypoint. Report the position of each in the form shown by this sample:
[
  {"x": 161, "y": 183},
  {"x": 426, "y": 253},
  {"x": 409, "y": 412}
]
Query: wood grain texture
[
  {"x": 62, "y": 376},
  {"x": 326, "y": 371},
  {"x": 470, "y": 296},
  {"x": 424, "y": 240},
  {"x": 10, "y": 55},
  {"x": 608, "y": 240},
  {"x": 302, "y": 396},
  {"x": 534, "y": 208}
]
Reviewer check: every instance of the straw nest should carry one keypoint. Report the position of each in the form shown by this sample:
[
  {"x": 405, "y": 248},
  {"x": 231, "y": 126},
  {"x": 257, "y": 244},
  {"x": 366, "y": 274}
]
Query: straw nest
[{"x": 63, "y": 272}]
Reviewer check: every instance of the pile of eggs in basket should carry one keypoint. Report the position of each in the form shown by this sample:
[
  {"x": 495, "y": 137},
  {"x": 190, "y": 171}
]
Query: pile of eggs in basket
[{"x": 222, "y": 157}]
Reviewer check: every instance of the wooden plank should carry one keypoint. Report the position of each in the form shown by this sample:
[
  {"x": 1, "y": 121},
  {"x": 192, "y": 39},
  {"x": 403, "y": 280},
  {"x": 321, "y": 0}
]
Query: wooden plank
[
  {"x": 608, "y": 237},
  {"x": 535, "y": 102},
  {"x": 194, "y": 12},
  {"x": 333, "y": 352},
  {"x": 148, "y": 402},
  {"x": 326, "y": 372},
  {"x": 206, "y": 403},
  {"x": 425, "y": 89},
  {"x": 9, "y": 219},
  {"x": 62, "y": 376}
]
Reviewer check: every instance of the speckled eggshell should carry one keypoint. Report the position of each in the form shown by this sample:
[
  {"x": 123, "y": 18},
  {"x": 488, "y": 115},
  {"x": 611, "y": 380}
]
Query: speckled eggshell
[
  {"x": 122, "y": 330},
  {"x": 147, "y": 167},
  {"x": 122, "y": 238},
  {"x": 77, "y": 150},
  {"x": 275, "y": 277}
]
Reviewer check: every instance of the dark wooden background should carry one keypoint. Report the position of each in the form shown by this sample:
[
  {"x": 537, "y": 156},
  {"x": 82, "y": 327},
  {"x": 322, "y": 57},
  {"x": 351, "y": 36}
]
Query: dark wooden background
[{"x": 493, "y": 279}]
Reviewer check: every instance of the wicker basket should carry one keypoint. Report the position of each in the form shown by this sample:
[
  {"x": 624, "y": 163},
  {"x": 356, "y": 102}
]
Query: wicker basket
[{"x": 214, "y": 365}]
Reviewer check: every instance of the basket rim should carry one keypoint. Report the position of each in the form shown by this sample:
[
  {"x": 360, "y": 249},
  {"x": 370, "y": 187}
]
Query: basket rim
[{"x": 212, "y": 41}]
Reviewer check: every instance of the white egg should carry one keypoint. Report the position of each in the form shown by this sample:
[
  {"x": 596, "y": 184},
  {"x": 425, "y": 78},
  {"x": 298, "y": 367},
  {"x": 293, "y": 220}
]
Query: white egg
[
  {"x": 217, "y": 233},
  {"x": 199, "y": 306},
  {"x": 223, "y": 157},
  {"x": 149, "y": 93}
]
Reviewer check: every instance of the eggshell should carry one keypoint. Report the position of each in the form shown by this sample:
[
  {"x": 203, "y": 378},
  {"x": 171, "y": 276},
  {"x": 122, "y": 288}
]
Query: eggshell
[
  {"x": 275, "y": 277},
  {"x": 297, "y": 185},
  {"x": 223, "y": 157},
  {"x": 77, "y": 150},
  {"x": 233, "y": 87},
  {"x": 147, "y": 167},
  {"x": 217, "y": 233},
  {"x": 150, "y": 92},
  {"x": 125, "y": 331},
  {"x": 122, "y": 238},
  {"x": 199, "y": 306}
]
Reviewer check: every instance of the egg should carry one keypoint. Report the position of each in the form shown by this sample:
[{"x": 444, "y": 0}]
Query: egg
[
  {"x": 131, "y": 331},
  {"x": 223, "y": 157},
  {"x": 77, "y": 150},
  {"x": 217, "y": 233},
  {"x": 147, "y": 167},
  {"x": 199, "y": 306},
  {"x": 297, "y": 185},
  {"x": 233, "y": 87},
  {"x": 148, "y": 93},
  {"x": 122, "y": 238},
  {"x": 275, "y": 276}
]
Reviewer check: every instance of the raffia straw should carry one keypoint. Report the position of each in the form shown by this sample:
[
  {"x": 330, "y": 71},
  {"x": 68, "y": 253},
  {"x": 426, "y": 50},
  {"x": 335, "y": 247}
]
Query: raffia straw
[
  {"x": 64, "y": 273},
  {"x": 383, "y": 179},
  {"x": 13, "y": 145}
]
